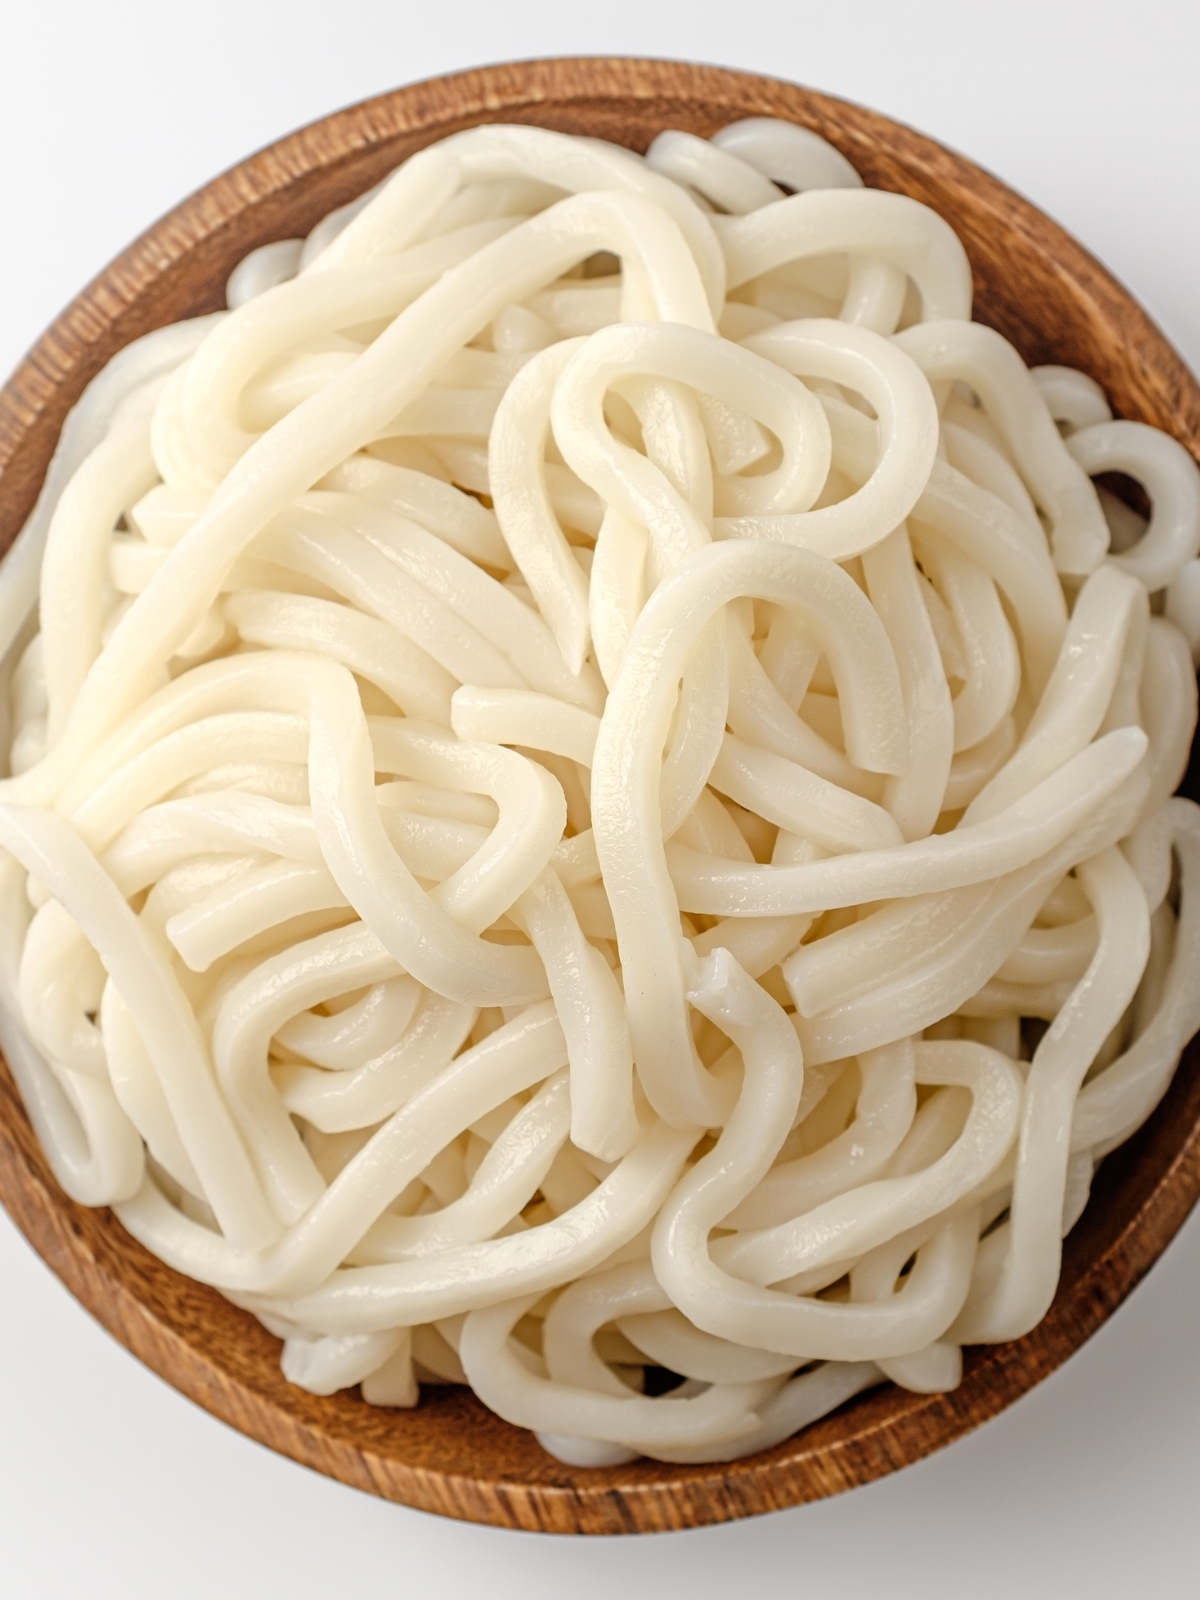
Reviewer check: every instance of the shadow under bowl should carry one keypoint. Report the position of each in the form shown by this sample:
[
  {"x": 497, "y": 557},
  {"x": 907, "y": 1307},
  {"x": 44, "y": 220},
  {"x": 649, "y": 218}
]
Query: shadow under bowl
[{"x": 1039, "y": 288}]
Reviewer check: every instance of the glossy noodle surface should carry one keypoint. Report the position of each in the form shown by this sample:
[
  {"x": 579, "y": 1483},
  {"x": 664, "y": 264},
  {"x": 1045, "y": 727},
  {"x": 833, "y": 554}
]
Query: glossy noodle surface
[{"x": 591, "y": 793}]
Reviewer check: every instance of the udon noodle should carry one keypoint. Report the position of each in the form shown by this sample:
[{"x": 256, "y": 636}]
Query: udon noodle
[{"x": 591, "y": 793}]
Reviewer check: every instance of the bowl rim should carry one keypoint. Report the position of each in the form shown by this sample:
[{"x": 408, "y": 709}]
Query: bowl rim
[{"x": 189, "y": 1335}]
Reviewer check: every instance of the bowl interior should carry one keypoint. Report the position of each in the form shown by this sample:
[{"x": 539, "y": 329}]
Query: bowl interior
[{"x": 1033, "y": 283}]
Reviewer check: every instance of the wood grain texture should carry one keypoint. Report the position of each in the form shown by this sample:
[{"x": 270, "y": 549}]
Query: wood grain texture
[{"x": 450, "y": 1455}]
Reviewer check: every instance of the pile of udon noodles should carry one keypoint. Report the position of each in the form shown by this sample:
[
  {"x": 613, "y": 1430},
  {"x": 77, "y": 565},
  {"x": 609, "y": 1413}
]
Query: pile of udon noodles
[{"x": 591, "y": 805}]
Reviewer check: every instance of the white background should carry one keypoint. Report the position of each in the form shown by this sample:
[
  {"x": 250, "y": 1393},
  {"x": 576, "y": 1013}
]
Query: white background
[{"x": 112, "y": 1485}]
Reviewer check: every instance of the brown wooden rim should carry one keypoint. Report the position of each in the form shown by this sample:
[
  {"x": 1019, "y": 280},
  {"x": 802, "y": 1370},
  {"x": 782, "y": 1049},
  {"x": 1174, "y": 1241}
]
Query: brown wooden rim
[{"x": 1036, "y": 285}]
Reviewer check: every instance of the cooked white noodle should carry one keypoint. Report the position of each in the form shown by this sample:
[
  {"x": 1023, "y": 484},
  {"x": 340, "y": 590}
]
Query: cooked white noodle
[{"x": 555, "y": 749}]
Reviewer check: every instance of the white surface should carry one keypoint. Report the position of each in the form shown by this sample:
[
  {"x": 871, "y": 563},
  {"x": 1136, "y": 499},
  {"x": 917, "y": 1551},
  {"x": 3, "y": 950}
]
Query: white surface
[{"x": 110, "y": 1484}]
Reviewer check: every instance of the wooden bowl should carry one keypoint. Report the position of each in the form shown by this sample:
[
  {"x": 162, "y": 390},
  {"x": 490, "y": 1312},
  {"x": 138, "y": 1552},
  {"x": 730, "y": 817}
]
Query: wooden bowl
[{"x": 450, "y": 1455}]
